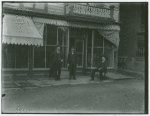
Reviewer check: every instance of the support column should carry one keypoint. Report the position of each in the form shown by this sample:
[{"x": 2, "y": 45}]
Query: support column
[
  {"x": 67, "y": 43},
  {"x": 68, "y": 40},
  {"x": 92, "y": 49},
  {"x": 30, "y": 61},
  {"x": 86, "y": 41},
  {"x": 45, "y": 37},
  {"x": 63, "y": 47},
  {"x": 63, "y": 42},
  {"x": 57, "y": 36},
  {"x": 113, "y": 57},
  {"x": 103, "y": 46},
  {"x": 85, "y": 54},
  {"x": 116, "y": 60}
]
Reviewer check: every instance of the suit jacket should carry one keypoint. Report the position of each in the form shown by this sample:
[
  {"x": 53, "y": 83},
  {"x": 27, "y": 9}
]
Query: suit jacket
[
  {"x": 56, "y": 57},
  {"x": 72, "y": 58},
  {"x": 103, "y": 65}
]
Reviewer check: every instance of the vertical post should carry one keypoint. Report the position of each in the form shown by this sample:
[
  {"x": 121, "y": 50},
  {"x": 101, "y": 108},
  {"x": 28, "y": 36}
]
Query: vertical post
[
  {"x": 15, "y": 56},
  {"x": 83, "y": 60},
  {"x": 67, "y": 37},
  {"x": 14, "y": 73},
  {"x": 57, "y": 35},
  {"x": 45, "y": 43},
  {"x": 113, "y": 60},
  {"x": 68, "y": 40},
  {"x": 116, "y": 60},
  {"x": 63, "y": 39},
  {"x": 33, "y": 57},
  {"x": 30, "y": 61},
  {"x": 103, "y": 46},
  {"x": 86, "y": 41},
  {"x": 63, "y": 46},
  {"x": 92, "y": 48}
]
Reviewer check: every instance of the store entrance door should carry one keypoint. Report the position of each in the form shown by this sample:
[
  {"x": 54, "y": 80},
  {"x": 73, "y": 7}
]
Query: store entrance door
[{"x": 79, "y": 48}]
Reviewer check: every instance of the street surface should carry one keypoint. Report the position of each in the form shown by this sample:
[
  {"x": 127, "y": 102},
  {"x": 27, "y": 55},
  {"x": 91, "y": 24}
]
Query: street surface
[{"x": 121, "y": 96}]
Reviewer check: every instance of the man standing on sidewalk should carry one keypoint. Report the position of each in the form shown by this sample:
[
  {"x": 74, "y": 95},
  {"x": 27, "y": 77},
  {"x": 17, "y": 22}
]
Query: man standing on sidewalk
[
  {"x": 72, "y": 63},
  {"x": 101, "y": 68},
  {"x": 58, "y": 59}
]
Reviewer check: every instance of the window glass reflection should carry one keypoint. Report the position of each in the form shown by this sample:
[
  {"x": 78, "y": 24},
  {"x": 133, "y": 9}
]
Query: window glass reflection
[
  {"x": 98, "y": 40},
  {"x": 22, "y": 56},
  {"x": 51, "y": 35},
  {"x": 50, "y": 51},
  {"x": 39, "y": 57},
  {"x": 8, "y": 56},
  {"x": 98, "y": 52}
]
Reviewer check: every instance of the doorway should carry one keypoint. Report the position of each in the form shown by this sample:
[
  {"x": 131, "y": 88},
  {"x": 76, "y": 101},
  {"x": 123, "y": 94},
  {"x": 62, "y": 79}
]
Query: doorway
[{"x": 79, "y": 49}]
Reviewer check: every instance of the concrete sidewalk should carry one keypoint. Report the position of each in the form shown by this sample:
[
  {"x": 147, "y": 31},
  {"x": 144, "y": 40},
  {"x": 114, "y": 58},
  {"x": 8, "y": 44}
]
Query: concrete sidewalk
[
  {"x": 38, "y": 81},
  {"x": 132, "y": 73}
]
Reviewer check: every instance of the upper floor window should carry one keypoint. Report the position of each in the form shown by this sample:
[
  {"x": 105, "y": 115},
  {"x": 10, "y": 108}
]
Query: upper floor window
[{"x": 51, "y": 35}]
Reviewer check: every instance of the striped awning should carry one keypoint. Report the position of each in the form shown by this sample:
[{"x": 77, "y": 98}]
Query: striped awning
[
  {"x": 50, "y": 21},
  {"x": 111, "y": 35},
  {"x": 109, "y": 32},
  {"x": 21, "y": 30},
  {"x": 75, "y": 24},
  {"x": 93, "y": 26}
]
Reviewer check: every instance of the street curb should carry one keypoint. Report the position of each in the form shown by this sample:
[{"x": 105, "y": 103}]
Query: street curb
[
  {"x": 53, "y": 85},
  {"x": 26, "y": 88},
  {"x": 108, "y": 79}
]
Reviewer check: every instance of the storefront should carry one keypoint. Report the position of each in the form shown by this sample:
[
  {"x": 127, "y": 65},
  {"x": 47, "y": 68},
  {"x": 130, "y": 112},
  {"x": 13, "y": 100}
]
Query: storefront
[
  {"x": 19, "y": 34},
  {"x": 29, "y": 43}
]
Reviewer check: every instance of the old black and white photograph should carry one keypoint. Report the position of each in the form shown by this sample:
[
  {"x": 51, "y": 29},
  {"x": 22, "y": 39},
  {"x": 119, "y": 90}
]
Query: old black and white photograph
[{"x": 74, "y": 57}]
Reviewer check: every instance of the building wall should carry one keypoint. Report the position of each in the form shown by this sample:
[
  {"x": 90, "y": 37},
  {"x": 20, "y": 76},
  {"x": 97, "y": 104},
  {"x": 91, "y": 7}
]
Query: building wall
[
  {"x": 58, "y": 8},
  {"x": 130, "y": 24},
  {"x": 130, "y": 18}
]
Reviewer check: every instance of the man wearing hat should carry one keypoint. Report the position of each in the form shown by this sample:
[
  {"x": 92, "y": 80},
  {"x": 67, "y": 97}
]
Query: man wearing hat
[
  {"x": 72, "y": 63},
  {"x": 58, "y": 59},
  {"x": 101, "y": 68}
]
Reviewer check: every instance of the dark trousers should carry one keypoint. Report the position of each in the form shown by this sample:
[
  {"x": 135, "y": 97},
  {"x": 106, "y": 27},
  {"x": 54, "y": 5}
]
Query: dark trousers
[
  {"x": 72, "y": 70},
  {"x": 57, "y": 70},
  {"x": 96, "y": 70}
]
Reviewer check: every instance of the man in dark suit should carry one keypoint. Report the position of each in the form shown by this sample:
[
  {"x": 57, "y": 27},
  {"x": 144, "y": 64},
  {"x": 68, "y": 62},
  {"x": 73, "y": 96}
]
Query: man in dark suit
[
  {"x": 72, "y": 63},
  {"x": 58, "y": 59},
  {"x": 101, "y": 68}
]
